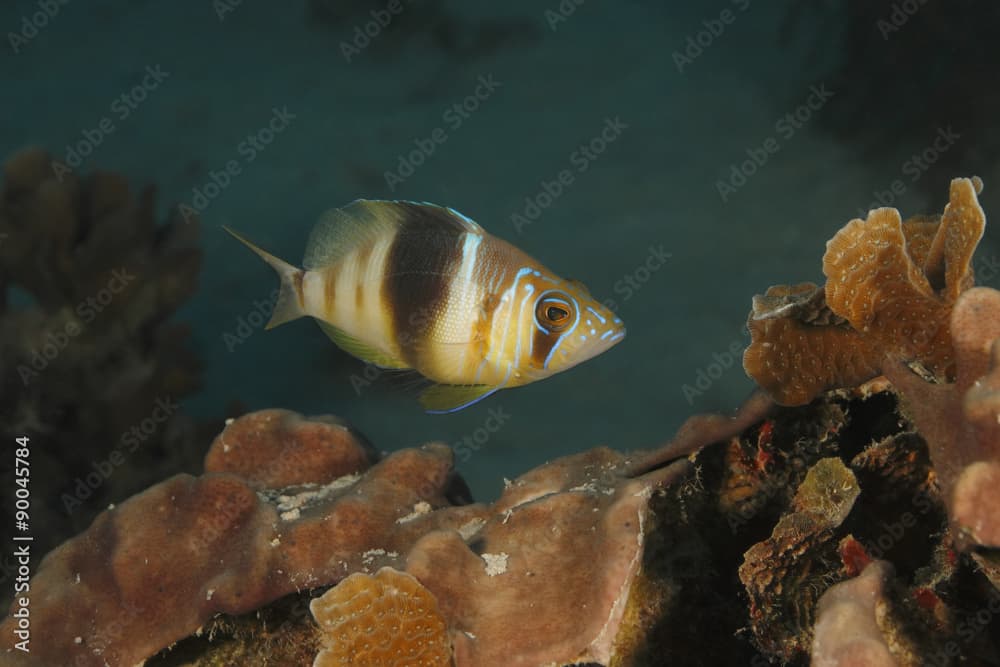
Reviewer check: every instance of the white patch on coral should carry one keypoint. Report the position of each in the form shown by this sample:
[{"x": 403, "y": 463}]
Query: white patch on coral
[
  {"x": 209, "y": 593},
  {"x": 369, "y": 556},
  {"x": 495, "y": 563},
  {"x": 290, "y": 515},
  {"x": 470, "y": 528},
  {"x": 312, "y": 494},
  {"x": 421, "y": 508}
]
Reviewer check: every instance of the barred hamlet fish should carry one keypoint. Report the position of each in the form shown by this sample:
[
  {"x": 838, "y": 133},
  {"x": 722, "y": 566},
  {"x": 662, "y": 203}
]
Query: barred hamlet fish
[{"x": 410, "y": 285}]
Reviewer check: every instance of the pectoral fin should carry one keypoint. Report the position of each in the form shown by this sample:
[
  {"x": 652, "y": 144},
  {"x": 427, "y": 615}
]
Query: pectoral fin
[
  {"x": 444, "y": 398},
  {"x": 362, "y": 351}
]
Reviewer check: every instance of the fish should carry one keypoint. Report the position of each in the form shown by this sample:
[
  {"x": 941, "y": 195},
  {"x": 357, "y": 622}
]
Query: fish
[{"x": 416, "y": 286}]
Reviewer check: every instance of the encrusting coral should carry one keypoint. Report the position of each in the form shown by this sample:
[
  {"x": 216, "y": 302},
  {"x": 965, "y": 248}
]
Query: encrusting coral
[
  {"x": 387, "y": 618},
  {"x": 891, "y": 286},
  {"x": 566, "y": 540}
]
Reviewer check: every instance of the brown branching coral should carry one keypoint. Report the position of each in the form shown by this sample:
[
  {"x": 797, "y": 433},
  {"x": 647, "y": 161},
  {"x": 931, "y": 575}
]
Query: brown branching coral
[
  {"x": 891, "y": 286},
  {"x": 562, "y": 546},
  {"x": 89, "y": 279}
]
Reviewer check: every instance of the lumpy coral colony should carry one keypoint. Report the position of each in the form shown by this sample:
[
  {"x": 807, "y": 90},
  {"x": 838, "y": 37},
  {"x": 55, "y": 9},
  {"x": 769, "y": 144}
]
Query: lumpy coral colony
[{"x": 818, "y": 530}]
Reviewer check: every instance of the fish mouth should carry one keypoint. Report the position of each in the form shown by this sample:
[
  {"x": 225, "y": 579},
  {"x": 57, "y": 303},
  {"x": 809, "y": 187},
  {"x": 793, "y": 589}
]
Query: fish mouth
[{"x": 612, "y": 336}]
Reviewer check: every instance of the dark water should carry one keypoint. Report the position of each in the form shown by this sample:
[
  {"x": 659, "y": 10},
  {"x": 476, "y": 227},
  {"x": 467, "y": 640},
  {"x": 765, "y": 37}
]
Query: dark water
[{"x": 736, "y": 137}]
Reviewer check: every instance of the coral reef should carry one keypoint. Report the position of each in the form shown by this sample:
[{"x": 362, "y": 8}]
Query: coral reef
[
  {"x": 609, "y": 569},
  {"x": 813, "y": 530},
  {"x": 898, "y": 301},
  {"x": 891, "y": 286},
  {"x": 569, "y": 534},
  {"x": 88, "y": 282}
]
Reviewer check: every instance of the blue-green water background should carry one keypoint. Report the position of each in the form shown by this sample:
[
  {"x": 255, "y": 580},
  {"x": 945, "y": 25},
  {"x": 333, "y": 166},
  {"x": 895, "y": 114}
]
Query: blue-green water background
[{"x": 654, "y": 185}]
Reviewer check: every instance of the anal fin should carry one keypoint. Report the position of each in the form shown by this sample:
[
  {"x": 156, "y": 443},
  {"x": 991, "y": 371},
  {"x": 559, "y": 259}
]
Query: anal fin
[
  {"x": 359, "y": 349},
  {"x": 444, "y": 398}
]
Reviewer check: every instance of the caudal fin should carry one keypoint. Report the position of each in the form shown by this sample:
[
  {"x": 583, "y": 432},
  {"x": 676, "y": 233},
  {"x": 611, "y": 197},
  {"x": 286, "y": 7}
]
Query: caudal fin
[{"x": 290, "y": 298}]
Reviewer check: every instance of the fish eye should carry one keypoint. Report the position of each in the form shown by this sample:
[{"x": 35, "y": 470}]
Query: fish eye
[{"x": 554, "y": 313}]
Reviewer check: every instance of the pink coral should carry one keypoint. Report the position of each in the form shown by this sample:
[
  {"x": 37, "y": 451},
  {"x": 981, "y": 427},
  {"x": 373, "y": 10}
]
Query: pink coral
[
  {"x": 961, "y": 420},
  {"x": 566, "y": 540},
  {"x": 847, "y": 631}
]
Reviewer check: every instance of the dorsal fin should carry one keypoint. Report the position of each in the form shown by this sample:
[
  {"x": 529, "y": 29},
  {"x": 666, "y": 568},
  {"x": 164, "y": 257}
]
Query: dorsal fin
[{"x": 341, "y": 230}]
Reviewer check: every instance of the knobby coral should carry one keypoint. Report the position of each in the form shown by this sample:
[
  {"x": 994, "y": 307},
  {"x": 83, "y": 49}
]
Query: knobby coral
[
  {"x": 891, "y": 286},
  {"x": 562, "y": 546},
  {"x": 847, "y": 631},
  {"x": 961, "y": 420}
]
